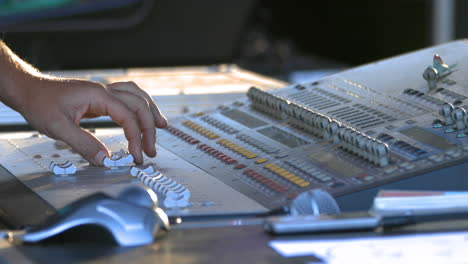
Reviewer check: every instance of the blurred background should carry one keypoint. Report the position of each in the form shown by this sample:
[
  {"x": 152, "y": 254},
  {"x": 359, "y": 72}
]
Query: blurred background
[{"x": 289, "y": 40}]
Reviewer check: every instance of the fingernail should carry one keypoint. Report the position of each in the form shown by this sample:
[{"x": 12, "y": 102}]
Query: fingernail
[
  {"x": 99, "y": 157},
  {"x": 162, "y": 122}
]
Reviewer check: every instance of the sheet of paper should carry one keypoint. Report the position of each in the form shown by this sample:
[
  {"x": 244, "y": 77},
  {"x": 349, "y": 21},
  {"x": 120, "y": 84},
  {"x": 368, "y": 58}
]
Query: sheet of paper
[{"x": 443, "y": 248}]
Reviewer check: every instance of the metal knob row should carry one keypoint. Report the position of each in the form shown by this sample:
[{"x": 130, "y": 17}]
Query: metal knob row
[
  {"x": 313, "y": 122},
  {"x": 456, "y": 116},
  {"x": 364, "y": 146},
  {"x": 175, "y": 195},
  {"x": 298, "y": 115},
  {"x": 268, "y": 103}
]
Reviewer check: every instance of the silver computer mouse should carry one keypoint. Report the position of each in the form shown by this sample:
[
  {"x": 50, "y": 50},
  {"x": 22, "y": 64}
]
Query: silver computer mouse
[{"x": 133, "y": 218}]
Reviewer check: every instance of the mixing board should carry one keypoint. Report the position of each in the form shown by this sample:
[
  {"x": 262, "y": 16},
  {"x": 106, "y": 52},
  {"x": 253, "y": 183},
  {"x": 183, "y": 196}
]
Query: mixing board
[{"x": 397, "y": 123}]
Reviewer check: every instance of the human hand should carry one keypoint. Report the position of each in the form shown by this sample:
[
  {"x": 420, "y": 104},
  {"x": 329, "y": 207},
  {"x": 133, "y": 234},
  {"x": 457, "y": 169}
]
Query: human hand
[{"x": 55, "y": 107}]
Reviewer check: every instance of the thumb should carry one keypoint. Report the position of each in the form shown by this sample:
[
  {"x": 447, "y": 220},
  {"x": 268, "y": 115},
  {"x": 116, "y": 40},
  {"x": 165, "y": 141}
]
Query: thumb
[{"x": 83, "y": 142}]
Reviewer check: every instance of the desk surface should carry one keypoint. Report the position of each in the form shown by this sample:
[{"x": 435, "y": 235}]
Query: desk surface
[{"x": 230, "y": 244}]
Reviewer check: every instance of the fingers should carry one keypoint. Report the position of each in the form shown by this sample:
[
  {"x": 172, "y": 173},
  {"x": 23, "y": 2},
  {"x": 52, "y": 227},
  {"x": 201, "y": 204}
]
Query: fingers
[
  {"x": 130, "y": 87},
  {"x": 145, "y": 118},
  {"x": 124, "y": 117},
  {"x": 83, "y": 142}
]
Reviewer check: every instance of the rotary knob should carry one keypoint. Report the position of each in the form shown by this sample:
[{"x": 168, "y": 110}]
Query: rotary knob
[
  {"x": 446, "y": 112},
  {"x": 433, "y": 73},
  {"x": 459, "y": 116}
]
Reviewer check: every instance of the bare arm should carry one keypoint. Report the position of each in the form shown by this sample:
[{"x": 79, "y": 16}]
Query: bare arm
[{"x": 55, "y": 107}]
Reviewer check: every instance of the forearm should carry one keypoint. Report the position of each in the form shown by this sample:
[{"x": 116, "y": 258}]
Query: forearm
[{"x": 14, "y": 75}]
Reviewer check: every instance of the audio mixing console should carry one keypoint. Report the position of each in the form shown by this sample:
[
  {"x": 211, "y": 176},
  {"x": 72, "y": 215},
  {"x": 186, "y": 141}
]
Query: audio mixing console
[{"x": 396, "y": 123}]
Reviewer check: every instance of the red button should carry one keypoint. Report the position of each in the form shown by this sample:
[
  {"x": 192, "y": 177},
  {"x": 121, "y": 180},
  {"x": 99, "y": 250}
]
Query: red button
[
  {"x": 210, "y": 150},
  {"x": 266, "y": 181},
  {"x": 249, "y": 172},
  {"x": 362, "y": 176},
  {"x": 271, "y": 184},
  {"x": 231, "y": 161},
  {"x": 240, "y": 166},
  {"x": 206, "y": 148},
  {"x": 258, "y": 176},
  {"x": 281, "y": 189}
]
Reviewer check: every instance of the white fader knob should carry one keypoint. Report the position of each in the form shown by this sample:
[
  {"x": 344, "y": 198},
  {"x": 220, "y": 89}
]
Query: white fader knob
[
  {"x": 459, "y": 116},
  {"x": 135, "y": 170},
  {"x": 66, "y": 168},
  {"x": 446, "y": 112},
  {"x": 118, "y": 160},
  {"x": 174, "y": 194}
]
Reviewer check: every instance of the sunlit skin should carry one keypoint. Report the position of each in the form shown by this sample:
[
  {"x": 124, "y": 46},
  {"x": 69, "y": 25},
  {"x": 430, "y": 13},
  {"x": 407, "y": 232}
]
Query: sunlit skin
[{"x": 55, "y": 106}]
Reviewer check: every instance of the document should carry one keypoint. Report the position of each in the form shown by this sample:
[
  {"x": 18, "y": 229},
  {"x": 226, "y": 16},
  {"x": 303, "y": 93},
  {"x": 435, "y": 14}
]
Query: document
[{"x": 438, "y": 248}]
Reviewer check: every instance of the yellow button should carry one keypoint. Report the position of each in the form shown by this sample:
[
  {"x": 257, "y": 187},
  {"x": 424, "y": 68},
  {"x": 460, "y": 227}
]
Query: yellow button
[
  {"x": 280, "y": 170},
  {"x": 275, "y": 168},
  {"x": 243, "y": 151},
  {"x": 269, "y": 165},
  {"x": 298, "y": 181},
  {"x": 199, "y": 114},
  {"x": 251, "y": 155},
  {"x": 235, "y": 147},
  {"x": 221, "y": 141},
  {"x": 304, "y": 184},
  {"x": 288, "y": 175},
  {"x": 260, "y": 161},
  {"x": 229, "y": 144},
  {"x": 284, "y": 173},
  {"x": 213, "y": 136},
  {"x": 295, "y": 178}
]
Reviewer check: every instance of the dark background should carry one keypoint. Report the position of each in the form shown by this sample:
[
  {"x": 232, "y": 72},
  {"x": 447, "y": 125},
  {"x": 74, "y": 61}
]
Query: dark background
[{"x": 268, "y": 36}]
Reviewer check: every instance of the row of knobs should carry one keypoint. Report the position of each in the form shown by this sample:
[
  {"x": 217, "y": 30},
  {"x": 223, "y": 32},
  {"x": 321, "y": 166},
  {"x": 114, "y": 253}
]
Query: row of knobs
[
  {"x": 364, "y": 146},
  {"x": 173, "y": 194},
  {"x": 313, "y": 122},
  {"x": 269, "y": 103},
  {"x": 298, "y": 115},
  {"x": 454, "y": 116},
  {"x": 118, "y": 159},
  {"x": 323, "y": 126}
]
